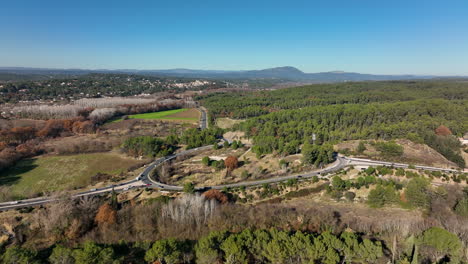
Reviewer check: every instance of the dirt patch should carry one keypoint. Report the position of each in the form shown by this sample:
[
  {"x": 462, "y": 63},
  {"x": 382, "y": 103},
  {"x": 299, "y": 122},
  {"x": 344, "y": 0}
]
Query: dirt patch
[
  {"x": 124, "y": 124},
  {"x": 423, "y": 153},
  {"x": 226, "y": 123},
  {"x": 237, "y": 135},
  {"x": 413, "y": 153},
  {"x": 191, "y": 169}
]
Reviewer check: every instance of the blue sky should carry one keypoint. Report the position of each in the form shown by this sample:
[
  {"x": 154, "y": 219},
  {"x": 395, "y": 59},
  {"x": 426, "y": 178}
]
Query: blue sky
[{"x": 385, "y": 37}]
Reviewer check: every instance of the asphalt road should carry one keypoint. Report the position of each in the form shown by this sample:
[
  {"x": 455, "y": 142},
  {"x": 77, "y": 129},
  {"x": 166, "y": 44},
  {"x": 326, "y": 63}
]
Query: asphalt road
[{"x": 203, "y": 118}]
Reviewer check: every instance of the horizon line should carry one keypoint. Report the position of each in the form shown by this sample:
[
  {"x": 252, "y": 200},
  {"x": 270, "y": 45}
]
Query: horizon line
[{"x": 219, "y": 70}]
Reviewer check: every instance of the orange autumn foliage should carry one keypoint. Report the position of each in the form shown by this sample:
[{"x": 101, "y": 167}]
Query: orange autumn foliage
[
  {"x": 231, "y": 163},
  {"x": 106, "y": 215},
  {"x": 443, "y": 131},
  {"x": 217, "y": 195}
]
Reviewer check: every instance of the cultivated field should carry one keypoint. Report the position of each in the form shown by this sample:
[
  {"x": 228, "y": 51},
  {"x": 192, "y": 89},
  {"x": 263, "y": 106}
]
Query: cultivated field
[
  {"x": 55, "y": 173},
  {"x": 183, "y": 114}
]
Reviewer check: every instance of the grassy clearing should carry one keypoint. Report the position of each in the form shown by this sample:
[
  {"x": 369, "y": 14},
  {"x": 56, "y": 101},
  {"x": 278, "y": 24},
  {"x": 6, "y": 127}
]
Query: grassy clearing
[
  {"x": 175, "y": 114},
  {"x": 158, "y": 115},
  {"x": 227, "y": 122},
  {"x": 55, "y": 173}
]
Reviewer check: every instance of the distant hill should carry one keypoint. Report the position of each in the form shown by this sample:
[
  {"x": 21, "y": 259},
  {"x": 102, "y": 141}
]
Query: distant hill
[{"x": 283, "y": 73}]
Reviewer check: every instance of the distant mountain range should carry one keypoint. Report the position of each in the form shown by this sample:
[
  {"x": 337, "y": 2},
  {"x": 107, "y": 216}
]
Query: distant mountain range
[{"x": 283, "y": 73}]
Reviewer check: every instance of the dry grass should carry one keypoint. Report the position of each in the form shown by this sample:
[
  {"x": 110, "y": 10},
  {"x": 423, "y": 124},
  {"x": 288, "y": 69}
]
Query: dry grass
[
  {"x": 413, "y": 153},
  {"x": 56, "y": 173},
  {"x": 192, "y": 169},
  {"x": 227, "y": 122}
]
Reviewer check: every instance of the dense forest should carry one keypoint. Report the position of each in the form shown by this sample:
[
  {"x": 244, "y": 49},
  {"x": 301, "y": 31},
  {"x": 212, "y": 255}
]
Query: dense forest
[
  {"x": 284, "y": 131},
  {"x": 283, "y": 120},
  {"x": 95, "y": 85},
  {"x": 244, "y": 105}
]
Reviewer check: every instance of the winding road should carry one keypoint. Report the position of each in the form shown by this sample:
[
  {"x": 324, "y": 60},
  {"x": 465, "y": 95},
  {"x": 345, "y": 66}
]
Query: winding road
[{"x": 145, "y": 180}]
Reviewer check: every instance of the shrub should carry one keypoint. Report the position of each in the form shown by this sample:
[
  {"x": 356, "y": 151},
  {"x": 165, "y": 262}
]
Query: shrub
[
  {"x": 361, "y": 147},
  {"x": 461, "y": 208},
  {"x": 206, "y": 161},
  {"x": 416, "y": 192},
  {"x": 189, "y": 187},
  {"x": 350, "y": 196},
  {"x": 381, "y": 196}
]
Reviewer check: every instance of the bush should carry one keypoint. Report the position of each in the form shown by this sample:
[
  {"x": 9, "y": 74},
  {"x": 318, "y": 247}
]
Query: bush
[
  {"x": 189, "y": 187},
  {"x": 206, "y": 161},
  {"x": 234, "y": 145},
  {"x": 361, "y": 147},
  {"x": 315, "y": 179},
  {"x": 350, "y": 196},
  {"x": 381, "y": 196},
  {"x": 461, "y": 207},
  {"x": 218, "y": 164},
  {"x": 216, "y": 195},
  {"x": 416, "y": 192}
]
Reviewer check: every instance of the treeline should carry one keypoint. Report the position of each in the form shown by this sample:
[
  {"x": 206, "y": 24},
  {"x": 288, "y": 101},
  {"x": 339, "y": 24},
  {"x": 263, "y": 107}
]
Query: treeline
[
  {"x": 285, "y": 130},
  {"x": 92, "y": 85},
  {"x": 245, "y": 104},
  {"x": 248, "y": 246}
]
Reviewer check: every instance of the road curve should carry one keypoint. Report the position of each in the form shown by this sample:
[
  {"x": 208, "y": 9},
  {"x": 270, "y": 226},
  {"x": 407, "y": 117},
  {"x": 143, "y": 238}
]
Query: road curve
[{"x": 339, "y": 164}]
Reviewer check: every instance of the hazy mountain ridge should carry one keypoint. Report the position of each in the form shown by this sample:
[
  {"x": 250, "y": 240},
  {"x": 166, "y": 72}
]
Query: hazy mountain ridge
[{"x": 286, "y": 72}]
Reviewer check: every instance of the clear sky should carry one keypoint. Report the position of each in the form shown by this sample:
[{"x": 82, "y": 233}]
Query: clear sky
[{"x": 378, "y": 36}]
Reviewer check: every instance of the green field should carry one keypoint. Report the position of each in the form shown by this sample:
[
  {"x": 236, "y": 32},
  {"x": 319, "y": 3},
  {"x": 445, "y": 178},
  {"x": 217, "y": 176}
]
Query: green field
[
  {"x": 168, "y": 115},
  {"x": 55, "y": 173}
]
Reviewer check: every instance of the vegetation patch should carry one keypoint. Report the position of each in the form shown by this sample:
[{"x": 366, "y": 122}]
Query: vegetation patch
[
  {"x": 175, "y": 114},
  {"x": 161, "y": 115},
  {"x": 55, "y": 173}
]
